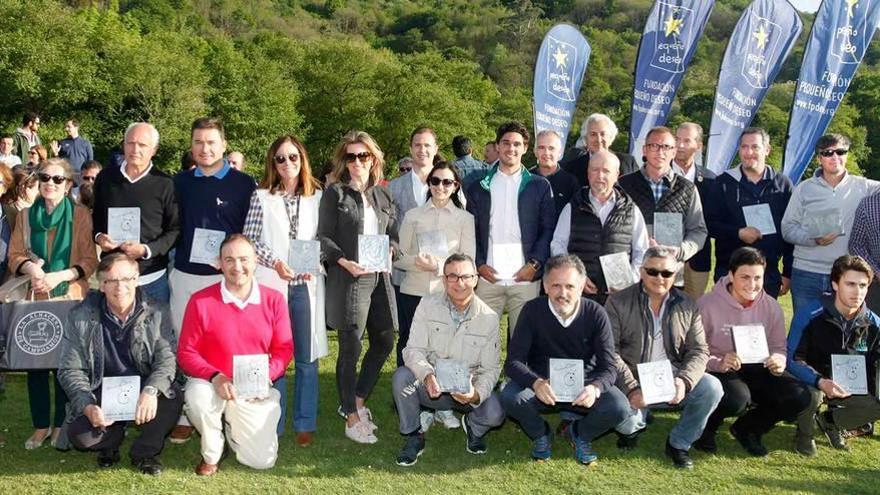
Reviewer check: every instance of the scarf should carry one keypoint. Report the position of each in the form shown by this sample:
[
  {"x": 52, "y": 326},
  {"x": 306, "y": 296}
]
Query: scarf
[{"x": 61, "y": 220}]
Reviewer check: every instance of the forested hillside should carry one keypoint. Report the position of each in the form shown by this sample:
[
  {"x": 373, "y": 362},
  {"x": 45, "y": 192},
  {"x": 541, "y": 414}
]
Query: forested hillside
[{"x": 318, "y": 68}]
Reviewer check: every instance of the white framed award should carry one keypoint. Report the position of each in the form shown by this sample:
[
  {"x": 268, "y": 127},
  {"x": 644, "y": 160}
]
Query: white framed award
[
  {"x": 850, "y": 372},
  {"x": 566, "y": 378},
  {"x": 119, "y": 397},
  {"x": 124, "y": 224},
  {"x": 760, "y": 217},
  {"x": 206, "y": 246},
  {"x": 750, "y": 342},
  {"x": 668, "y": 229},
  {"x": 453, "y": 376},
  {"x": 657, "y": 381},
  {"x": 374, "y": 252},
  {"x": 250, "y": 376},
  {"x": 304, "y": 256},
  {"x": 617, "y": 270}
]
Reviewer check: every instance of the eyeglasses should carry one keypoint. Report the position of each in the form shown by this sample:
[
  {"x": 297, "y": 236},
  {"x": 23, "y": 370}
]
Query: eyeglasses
[
  {"x": 57, "y": 179},
  {"x": 454, "y": 277},
  {"x": 88, "y": 178},
  {"x": 292, "y": 158},
  {"x": 659, "y": 147},
  {"x": 363, "y": 156},
  {"x": 436, "y": 181},
  {"x": 113, "y": 282},
  {"x": 653, "y": 272},
  {"x": 830, "y": 153}
]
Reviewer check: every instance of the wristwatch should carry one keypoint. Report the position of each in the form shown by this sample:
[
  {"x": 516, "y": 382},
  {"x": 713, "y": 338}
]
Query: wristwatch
[
  {"x": 534, "y": 264},
  {"x": 151, "y": 390}
]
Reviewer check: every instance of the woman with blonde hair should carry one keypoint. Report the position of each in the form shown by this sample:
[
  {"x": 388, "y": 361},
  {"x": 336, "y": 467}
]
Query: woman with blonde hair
[
  {"x": 284, "y": 209},
  {"x": 358, "y": 300}
]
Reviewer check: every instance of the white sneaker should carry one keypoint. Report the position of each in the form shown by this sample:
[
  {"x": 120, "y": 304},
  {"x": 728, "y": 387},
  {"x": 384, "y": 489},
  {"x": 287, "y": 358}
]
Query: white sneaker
[
  {"x": 446, "y": 418},
  {"x": 367, "y": 416},
  {"x": 426, "y": 418},
  {"x": 361, "y": 433}
]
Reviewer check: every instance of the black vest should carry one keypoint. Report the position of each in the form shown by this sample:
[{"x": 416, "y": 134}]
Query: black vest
[
  {"x": 676, "y": 199},
  {"x": 589, "y": 239}
]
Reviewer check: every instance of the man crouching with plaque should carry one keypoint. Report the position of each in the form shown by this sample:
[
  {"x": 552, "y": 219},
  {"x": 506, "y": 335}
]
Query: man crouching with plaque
[
  {"x": 235, "y": 340},
  {"x": 118, "y": 366},
  {"x": 561, "y": 358},
  {"x": 451, "y": 362}
]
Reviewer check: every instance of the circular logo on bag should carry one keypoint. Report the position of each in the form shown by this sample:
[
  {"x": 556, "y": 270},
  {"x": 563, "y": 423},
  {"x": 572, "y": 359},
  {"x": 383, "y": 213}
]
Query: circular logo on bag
[{"x": 38, "y": 333}]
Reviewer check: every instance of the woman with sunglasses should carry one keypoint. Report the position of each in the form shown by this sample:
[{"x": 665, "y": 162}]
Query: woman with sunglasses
[
  {"x": 428, "y": 235},
  {"x": 285, "y": 208},
  {"x": 52, "y": 242},
  {"x": 357, "y": 299}
]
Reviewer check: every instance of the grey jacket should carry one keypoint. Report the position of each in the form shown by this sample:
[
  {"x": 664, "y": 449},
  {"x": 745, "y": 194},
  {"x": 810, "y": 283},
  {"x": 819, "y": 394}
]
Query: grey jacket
[
  {"x": 82, "y": 351},
  {"x": 683, "y": 335},
  {"x": 340, "y": 221},
  {"x": 404, "y": 200}
]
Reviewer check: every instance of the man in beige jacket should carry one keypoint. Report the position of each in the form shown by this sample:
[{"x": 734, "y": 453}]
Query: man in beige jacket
[{"x": 453, "y": 335}]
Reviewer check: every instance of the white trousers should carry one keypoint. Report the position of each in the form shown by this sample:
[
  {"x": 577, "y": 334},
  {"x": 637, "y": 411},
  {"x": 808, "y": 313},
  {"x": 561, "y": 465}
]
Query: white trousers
[
  {"x": 250, "y": 427},
  {"x": 183, "y": 286}
]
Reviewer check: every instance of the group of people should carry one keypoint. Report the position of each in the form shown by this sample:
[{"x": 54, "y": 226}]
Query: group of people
[{"x": 208, "y": 280}]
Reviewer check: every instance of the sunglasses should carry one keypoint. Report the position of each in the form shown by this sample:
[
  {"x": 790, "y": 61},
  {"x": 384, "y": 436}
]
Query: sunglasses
[
  {"x": 363, "y": 156},
  {"x": 57, "y": 179},
  {"x": 653, "y": 272},
  {"x": 292, "y": 158},
  {"x": 436, "y": 181},
  {"x": 87, "y": 178},
  {"x": 404, "y": 170},
  {"x": 830, "y": 153}
]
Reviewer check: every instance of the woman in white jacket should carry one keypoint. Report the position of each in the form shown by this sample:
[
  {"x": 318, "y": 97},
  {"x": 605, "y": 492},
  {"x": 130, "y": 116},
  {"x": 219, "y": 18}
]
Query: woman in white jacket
[{"x": 282, "y": 221}]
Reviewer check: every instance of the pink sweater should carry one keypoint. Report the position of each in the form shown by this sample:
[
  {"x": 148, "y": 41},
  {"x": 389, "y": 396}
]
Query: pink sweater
[
  {"x": 213, "y": 332},
  {"x": 718, "y": 308}
]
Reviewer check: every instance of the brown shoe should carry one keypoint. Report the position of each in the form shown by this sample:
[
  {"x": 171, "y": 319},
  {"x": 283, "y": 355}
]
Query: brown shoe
[
  {"x": 205, "y": 469},
  {"x": 304, "y": 438},
  {"x": 180, "y": 434}
]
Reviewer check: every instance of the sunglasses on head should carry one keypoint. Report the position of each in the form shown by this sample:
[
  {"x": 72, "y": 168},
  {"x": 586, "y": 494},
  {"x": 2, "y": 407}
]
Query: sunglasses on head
[
  {"x": 57, "y": 179},
  {"x": 653, "y": 272},
  {"x": 436, "y": 181},
  {"x": 830, "y": 153},
  {"x": 292, "y": 158},
  {"x": 363, "y": 156}
]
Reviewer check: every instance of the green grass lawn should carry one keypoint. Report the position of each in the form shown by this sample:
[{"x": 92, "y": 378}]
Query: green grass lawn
[{"x": 334, "y": 464}]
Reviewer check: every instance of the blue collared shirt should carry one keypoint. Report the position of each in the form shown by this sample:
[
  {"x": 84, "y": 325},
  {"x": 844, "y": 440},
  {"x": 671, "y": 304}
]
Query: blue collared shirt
[{"x": 220, "y": 173}]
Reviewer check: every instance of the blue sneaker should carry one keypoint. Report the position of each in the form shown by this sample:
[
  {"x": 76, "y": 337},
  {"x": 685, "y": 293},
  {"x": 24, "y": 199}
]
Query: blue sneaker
[
  {"x": 583, "y": 450},
  {"x": 542, "y": 447}
]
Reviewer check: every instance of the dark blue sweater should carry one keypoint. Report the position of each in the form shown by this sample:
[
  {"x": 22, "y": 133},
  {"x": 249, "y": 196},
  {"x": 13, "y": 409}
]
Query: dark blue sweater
[
  {"x": 724, "y": 217},
  {"x": 218, "y": 202},
  {"x": 539, "y": 336}
]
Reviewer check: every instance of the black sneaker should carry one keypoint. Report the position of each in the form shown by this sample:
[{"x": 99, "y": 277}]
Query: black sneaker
[
  {"x": 108, "y": 458},
  {"x": 412, "y": 449},
  {"x": 750, "y": 441},
  {"x": 679, "y": 457},
  {"x": 832, "y": 432},
  {"x": 475, "y": 445},
  {"x": 628, "y": 442},
  {"x": 148, "y": 465},
  {"x": 707, "y": 443}
]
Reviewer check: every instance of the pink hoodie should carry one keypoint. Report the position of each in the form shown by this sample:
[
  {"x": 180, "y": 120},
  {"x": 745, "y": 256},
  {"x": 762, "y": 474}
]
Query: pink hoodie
[{"x": 719, "y": 310}]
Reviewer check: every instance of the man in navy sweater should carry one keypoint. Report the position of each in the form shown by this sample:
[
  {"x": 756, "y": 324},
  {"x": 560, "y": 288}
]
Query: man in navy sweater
[
  {"x": 137, "y": 184},
  {"x": 214, "y": 199},
  {"x": 563, "y": 325}
]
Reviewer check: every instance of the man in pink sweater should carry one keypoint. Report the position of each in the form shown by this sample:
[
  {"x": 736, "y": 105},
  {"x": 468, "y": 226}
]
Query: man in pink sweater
[
  {"x": 236, "y": 317},
  {"x": 750, "y": 376}
]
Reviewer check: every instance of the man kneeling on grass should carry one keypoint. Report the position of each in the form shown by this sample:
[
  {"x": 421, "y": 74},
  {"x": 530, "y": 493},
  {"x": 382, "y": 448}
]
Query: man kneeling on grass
[
  {"x": 236, "y": 318},
  {"x": 454, "y": 333},
  {"x": 118, "y": 332},
  {"x": 577, "y": 333}
]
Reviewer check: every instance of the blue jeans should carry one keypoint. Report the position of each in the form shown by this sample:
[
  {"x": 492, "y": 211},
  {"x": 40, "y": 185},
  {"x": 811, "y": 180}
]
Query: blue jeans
[
  {"x": 305, "y": 385},
  {"x": 696, "y": 408},
  {"x": 522, "y": 405},
  {"x": 158, "y": 289},
  {"x": 807, "y": 289}
]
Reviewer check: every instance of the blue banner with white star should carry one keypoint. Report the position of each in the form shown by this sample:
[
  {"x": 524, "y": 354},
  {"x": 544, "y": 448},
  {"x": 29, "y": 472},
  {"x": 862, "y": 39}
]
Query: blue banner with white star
[
  {"x": 559, "y": 73},
  {"x": 668, "y": 44},
  {"x": 840, "y": 36},
  {"x": 759, "y": 45}
]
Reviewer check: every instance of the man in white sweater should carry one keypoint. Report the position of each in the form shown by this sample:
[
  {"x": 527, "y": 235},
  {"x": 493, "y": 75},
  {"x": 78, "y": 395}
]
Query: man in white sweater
[{"x": 819, "y": 219}]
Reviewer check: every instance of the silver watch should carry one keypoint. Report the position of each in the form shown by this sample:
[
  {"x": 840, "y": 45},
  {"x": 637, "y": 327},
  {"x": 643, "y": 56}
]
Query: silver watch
[{"x": 151, "y": 390}]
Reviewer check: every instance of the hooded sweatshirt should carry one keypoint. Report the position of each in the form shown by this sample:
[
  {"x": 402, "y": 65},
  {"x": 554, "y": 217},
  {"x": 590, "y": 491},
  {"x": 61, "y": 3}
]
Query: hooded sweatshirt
[{"x": 719, "y": 311}]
